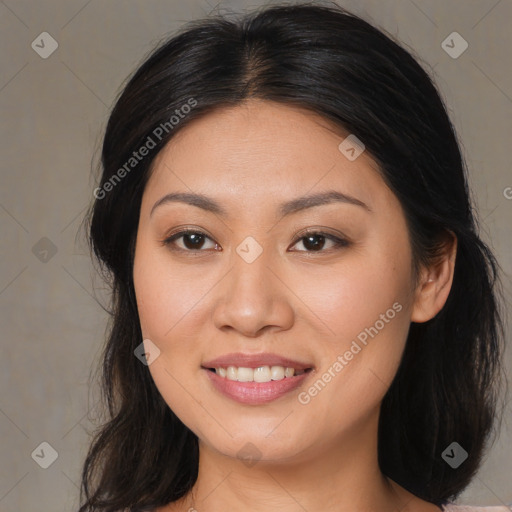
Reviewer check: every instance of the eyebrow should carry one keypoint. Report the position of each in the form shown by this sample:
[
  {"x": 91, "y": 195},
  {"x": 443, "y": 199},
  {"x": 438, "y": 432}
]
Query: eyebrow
[{"x": 286, "y": 208}]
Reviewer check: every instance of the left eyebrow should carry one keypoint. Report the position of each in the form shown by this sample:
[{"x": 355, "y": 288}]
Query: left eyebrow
[{"x": 286, "y": 208}]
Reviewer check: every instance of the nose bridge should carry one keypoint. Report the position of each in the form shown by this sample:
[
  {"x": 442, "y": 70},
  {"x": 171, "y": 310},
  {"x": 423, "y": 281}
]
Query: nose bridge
[
  {"x": 252, "y": 296},
  {"x": 250, "y": 274}
]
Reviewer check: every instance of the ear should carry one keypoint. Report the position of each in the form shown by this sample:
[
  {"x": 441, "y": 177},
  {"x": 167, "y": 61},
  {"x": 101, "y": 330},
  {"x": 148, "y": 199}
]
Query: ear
[{"x": 435, "y": 282}]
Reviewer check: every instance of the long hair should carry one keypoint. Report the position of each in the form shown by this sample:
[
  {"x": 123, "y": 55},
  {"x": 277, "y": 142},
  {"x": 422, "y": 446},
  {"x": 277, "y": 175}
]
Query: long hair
[{"x": 323, "y": 58}]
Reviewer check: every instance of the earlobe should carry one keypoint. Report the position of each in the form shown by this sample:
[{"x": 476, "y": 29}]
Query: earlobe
[{"x": 435, "y": 283}]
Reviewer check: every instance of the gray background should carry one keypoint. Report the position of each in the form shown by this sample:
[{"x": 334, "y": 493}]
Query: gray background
[{"x": 54, "y": 111}]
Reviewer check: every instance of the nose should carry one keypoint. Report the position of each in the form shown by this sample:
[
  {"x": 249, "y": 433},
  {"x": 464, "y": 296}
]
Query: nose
[{"x": 253, "y": 298}]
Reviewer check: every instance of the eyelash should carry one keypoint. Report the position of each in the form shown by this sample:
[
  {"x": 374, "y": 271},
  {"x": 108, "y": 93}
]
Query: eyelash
[{"x": 339, "y": 243}]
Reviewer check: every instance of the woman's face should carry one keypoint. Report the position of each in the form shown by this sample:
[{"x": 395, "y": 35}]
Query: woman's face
[{"x": 256, "y": 281}]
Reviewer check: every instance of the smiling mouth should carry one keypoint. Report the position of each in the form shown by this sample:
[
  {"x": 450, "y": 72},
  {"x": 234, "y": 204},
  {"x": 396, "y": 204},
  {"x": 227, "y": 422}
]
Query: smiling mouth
[{"x": 260, "y": 374}]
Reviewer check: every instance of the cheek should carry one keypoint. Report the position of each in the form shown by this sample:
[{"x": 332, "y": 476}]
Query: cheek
[
  {"x": 365, "y": 312},
  {"x": 165, "y": 302},
  {"x": 168, "y": 300},
  {"x": 352, "y": 296}
]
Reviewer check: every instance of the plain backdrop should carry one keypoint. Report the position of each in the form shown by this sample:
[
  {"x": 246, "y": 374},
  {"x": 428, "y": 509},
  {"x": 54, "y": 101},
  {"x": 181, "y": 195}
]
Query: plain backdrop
[{"x": 54, "y": 111}]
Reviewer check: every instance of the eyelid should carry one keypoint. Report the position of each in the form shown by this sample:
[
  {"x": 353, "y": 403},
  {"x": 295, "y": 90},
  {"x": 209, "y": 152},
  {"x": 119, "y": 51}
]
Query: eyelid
[
  {"x": 339, "y": 240},
  {"x": 175, "y": 234}
]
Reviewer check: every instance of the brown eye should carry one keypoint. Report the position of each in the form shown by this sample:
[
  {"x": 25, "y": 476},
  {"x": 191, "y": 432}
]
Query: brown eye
[
  {"x": 315, "y": 241},
  {"x": 192, "y": 240}
]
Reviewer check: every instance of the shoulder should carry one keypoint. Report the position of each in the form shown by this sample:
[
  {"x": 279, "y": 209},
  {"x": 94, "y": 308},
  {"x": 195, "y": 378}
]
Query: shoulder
[{"x": 450, "y": 507}]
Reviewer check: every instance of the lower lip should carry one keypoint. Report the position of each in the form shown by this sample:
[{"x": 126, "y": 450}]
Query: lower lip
[{"x": 254, "y": 393}]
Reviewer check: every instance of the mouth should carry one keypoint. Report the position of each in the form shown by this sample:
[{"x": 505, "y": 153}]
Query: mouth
[{"x": 256, "y": 378}]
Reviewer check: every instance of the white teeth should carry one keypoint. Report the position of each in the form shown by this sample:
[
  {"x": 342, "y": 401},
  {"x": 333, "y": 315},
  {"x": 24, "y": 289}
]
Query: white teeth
[
  {"x": 261, "y": 374},
  {"x": 277, "y": 372},
  {"x": 289, "y": 372},
  {"x": 231, "y": 373},
  {"x": 245, "y": 375}
]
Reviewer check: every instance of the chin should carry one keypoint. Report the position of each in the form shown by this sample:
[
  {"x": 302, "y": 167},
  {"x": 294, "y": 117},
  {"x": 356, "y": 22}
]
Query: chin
[{"x": 256, "y": 446}]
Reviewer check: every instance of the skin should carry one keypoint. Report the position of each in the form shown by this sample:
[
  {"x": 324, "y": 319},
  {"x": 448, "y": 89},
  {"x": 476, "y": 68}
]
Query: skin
[{"x": 292, "y": 300}]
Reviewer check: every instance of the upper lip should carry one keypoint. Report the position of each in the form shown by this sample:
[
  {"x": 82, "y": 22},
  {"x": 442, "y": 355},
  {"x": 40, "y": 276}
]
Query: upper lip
[{"x": 240, "y": 359}]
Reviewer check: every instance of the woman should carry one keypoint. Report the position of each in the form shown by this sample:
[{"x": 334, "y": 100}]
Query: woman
[{"x": 304, "y": 316}]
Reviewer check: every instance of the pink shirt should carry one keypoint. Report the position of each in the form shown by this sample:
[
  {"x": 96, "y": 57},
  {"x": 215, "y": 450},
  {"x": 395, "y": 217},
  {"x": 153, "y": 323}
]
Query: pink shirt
[{"x": 466, "y": 508}]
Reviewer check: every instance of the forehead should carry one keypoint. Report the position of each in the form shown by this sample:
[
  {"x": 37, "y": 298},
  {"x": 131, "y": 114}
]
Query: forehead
[{"x": 260, "y": 150}]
